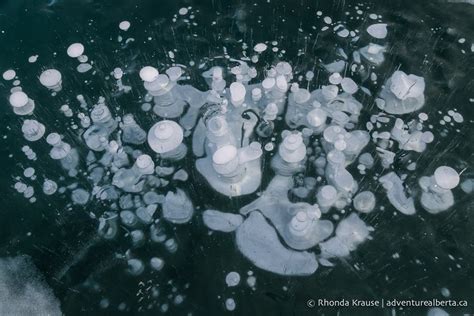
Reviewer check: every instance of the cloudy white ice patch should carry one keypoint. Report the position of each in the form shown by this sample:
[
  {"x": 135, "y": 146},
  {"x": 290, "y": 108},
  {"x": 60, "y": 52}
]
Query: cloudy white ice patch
[{"x": 23, "y": 290}]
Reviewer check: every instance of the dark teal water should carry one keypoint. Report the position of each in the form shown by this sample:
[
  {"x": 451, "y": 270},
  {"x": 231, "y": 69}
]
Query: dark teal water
[{"x": 63, "y": 243}]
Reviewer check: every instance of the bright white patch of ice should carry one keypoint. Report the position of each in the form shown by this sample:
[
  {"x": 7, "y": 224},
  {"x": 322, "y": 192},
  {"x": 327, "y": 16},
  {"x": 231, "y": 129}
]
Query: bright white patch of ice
[
  {"x": 148, "y": 73},
  {"x": 165, "y": 136},
  {"x": 75, "y": 50},
  {"x": 177, "y": 207},
  {"x": 232, "y": 279},
  {"x": 258, "y": 241},
  {"x": 124, "y": 25},
  {"x": 260, "y": 47},
  {"x": 221, "y": 221},
  {"x": 446, "y": 177},
  {"x": 364, "y": 202},
  {"x": 9, "y": 75},
  {"x": 378, "y": 30},
  {"x": 50, "y": 78},
  {"x": 396, "y": 195},
  {"x": 349, "y": 86}
]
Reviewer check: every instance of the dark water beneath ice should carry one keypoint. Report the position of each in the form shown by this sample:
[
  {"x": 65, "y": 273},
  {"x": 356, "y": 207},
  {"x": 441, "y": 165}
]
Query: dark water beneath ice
[{"x": 82, "y": 269}]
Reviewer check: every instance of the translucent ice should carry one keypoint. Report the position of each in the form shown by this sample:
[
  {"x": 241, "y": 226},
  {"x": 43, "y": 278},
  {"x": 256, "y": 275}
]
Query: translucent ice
[
  {"x": 232, "y": 279},
  {"x": 22, "y": 105},
  {"x": 378, "y": 30},
  {"x": 364, "y": 202},
  {"x": 32, "y": 130},
  {"x": 298, "y": 224},
  {"x": 221, "y": 221},
  {"x": 165, "y": 136},
  {"x": 437, "y": 196},
  {"x": 258, "y": 241},
  {"x": 233, "y": 171},
  {"x": 51, "y": 79},
  {"x": 402, "y": 93},
  {"x": 177, "y": 207},
  {"x": 396, "y": 195},
  {"x": 350, "y": 232},
  {"x": 75, "y": 50}
]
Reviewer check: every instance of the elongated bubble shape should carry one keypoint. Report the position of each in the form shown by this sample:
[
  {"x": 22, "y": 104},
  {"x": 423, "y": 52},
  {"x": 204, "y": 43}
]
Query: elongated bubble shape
[
  {"x": 258, "y": 241},
  {"x": 237, "y": 93},
  {"x": 165, "y": 136},
  {"x": 396, "y": 195},
  {"x": 260, "y": 48},
  {"x": 349, "y": 86},
  {"x": 221, "y": 221},
  {"x": 75, "y": 50}
]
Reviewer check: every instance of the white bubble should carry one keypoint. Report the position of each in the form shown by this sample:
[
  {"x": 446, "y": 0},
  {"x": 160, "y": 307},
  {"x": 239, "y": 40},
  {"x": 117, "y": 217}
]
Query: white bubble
[
  {"x": 232, "y": 279},
  {"x": 260, "y": 47},
  {"x": 446, "y": 177},
  {"x": 9, "y": 74},
  {"x": 148, "y": 73},
  {"x": 75, "y": 50},
  {"x": 124, "y": 25},
  {"x": 378, "y": 30}
]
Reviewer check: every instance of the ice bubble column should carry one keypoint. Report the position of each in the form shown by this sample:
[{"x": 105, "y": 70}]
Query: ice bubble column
[
  {"x": 231, "y": 171},
  {"x": 402, "y": 93},
  {"x": 51, "y": 79},
  {"x": 32, "y": 130},
  {"x": 291, "y": 155},
  {"x": 22, "y": 105},
  {"x": 165, "y": 138},
  {"x": 168, "y": 103},
  {"x": 218, "y": 134},
  {"x": 437, "y": 195},
  {"x": 97, "y": 135},
  {"x": 338, "y": 176},
  {"x": 63, "y": 152},
  {"x": 132, "y": 133},
  {"x": 177, "y": 207}
]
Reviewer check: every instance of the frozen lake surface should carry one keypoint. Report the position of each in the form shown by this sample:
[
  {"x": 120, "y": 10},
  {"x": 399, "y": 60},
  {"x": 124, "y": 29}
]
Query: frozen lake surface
[{"x": 204, "y": 158}]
